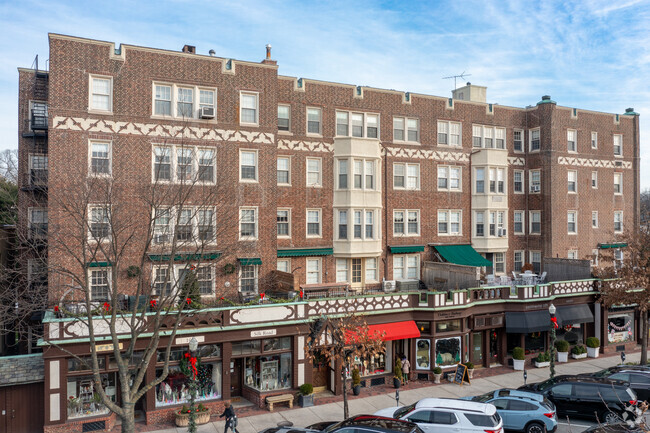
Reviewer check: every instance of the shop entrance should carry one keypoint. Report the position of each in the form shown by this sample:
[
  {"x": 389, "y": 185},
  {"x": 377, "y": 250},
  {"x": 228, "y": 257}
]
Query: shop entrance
[
  {"x": 320, "y": 372},
  {"x": 494, "y": 348},
  {"x": 236, "y": 378}
]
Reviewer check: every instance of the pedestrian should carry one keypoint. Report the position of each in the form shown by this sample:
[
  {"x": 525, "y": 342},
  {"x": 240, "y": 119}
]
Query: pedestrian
[
  {"x": 406, "y": 368},
  {"x": 231, "y": 418}
]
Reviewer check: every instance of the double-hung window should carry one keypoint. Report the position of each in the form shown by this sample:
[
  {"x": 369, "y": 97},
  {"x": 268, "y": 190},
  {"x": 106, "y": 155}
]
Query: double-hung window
[
  {"x": 449, "y": 222},
  {"x": 449, "y": 178},
  {"x": 594, "y": 179},
  {"x": 364, "y": 174},
  {"x": 342, "y": 270},
  {"x": 37, "y": 223},
  {"x": 184, "y": 163},
  {"x": 206, "y": 225},
  {"x": 398, "y": 222},
  {"x": 101, "y": 93},
  {"x": 571, "y": 217},
  {"x": 284, "y": 223},
  {"x": 618, "y": 222},
  {"x": 406, "y": 176},
  {"x": 248, "y": 166},
  {"x": 571, "y": 139},
  {"x": 100, "y": 158},
  {"x": 572, "y": 181},
  {"x": 370, "y": 217},
  {"x": 38, "y": 169},
  {"x": 283, "y": 265},
  {"x": 343, "y": 224},
  {"x": 479, "y": 180},
  {"x": 99, "y": 284},
  {"x": 183, "y": 229},
  {"x": 406, "y": 267},
  {"x": 314, "y": 223},
  {"x": 358, "y": 216},
  {"x": 518, "y": 260},
  {"x": 518, "y": 140},
  {"x": 205, "y": 280},
  {"x": 594, "y": 140},
  {"x": 248, "y": 278},
  {"x": 314, "y": 167},
  {"x": 480, "y": 224},
  {"x": 284, "y": 118},
  {"x": 314, "y": 119},
  {"x": 489, "y": 137},
  {"x": 357, "y": 124},
  {"x": 534, "y": 140},
  {"x": 536, "y": 261},
  {"x": 185, "y": 103},
  {"x": 535, "y": 222},
  {"x": 518, "y": 217},
  {"x": 343, "y": 173},
  {"x": 206, "y": 99},
  {"x": 162, "y": 100},
  {"x": 413, "y": 222},
  {"x": 518, "y": 179},
  {"x": 162, "y": 282},
  {"x": 535, "y": 181},
  {"x": 594, "y": 219},
  {"x": 498, "y": 261},
  {"x": 449, "y": 133},
  {"x": 161, "y": 225},
  {"x": 247, "y": 223},
  {"x": 410, "y": 227},
  {"x": 283, "y": 170},
  {"x": 100, "y": 228},
  {"x": 618, "y": 145},
  {"x": 406, "y": 129},
  {"x": 618, "y": 183},
  {"x": 249, "y": 111},
  {"x": 206, "y": 162},
  {"x": 162, "y": 165},
  {"x": 313, "y": 271}
]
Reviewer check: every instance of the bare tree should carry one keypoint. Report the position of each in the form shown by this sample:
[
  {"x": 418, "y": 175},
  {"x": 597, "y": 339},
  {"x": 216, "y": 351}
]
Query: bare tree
[
  {"x": 341, "y": 340},
  {"x": 9, "y": 165}
]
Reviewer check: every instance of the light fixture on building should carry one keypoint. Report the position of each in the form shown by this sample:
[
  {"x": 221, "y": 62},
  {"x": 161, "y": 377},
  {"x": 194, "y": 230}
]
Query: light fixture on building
[{"x": 194, "y": 344}]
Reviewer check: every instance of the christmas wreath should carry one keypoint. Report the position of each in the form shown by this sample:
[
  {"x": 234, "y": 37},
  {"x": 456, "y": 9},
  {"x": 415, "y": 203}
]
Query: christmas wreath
[{"x": 190, "y": 365}]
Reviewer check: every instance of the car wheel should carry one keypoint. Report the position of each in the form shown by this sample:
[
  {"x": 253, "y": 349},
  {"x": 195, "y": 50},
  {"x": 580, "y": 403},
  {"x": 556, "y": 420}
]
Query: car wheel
[
  {"x": 534, "y": 427},
  {"x": 610, "y": 417}
]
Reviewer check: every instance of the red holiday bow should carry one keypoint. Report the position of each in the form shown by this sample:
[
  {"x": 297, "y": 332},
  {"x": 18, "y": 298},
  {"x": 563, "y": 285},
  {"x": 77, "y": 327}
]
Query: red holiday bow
[
  {"x": 107, "y": 306},
  {"x": 301, "y": 293},
  {"x": 192, "y": 360},
  {"x": 153, "y": 303},
  {"x": 554, "y": 321},
  {"x": 56, "y": 308},
  {"x": 262, "y": 295},
  {"x": 188, "y": 300}
]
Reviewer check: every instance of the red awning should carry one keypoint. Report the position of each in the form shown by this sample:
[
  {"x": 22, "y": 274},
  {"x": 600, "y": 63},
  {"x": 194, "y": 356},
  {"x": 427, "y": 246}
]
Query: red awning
[{"x": 396, "y": 330}]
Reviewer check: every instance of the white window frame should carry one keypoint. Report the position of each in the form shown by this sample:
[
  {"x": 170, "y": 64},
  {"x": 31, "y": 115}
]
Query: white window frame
[
  {"x": 618, "y": 181},
  {"x": 257, "y": 166},
  {"x": 572, "y": 215},
  {"x": 197, "y": 170},
  {"x": 485, "y": 180},
  {"x": 618, "y": 215},
  {"x": 288, "y": 158},
  {"x": 448, "y": 213},
  {"x": 514, "y": 180},
  {"x": 288, "y": 210},
  {"x": 283, "y": 260},
  {"x": 594, "y": 140},
  {"x": 169, "y": 230},
  {"x": 531, "y": 254},
  {"x": 594, "y": 179},
  {"x": 406, "y": 130},
  {"x": 531, "y": 184},
  {"x": 572, "y": 134},
  {"x": 33, "y": 178},
  {"x": 30, "y": 221},
  {"x": 91, "y": 108},
  {"x": 352, "y": 169},
  {"x": 572, "y": 254},
  {"x": 173, "y": 164},
  {"x": 374, "y": 269},
  {"x": 522, "y": 261},
  {"x": 487, "y": 132},
  {"x": 108, "y": 272},
  {"x": 319, "y": 183},
  {"x": 90, "y": 158},
  {"x": 405, "y": 166},
  {"x": 496, "y": 264},
  {"x": 523, "y": 222},
  {"x": 530, "y": 140},
  {"x": 320, "y": 122},
  {"x": 405, "y": 268},
  {"x": 90, "y": 209},
  {"x": 364, "y": 126},
  {"x": 288, "y": 130},
  {"x": 594, "y": 257},
  {"x": 447, "y": 172},
  {"x": 594, "y": 219},
  {"x": 243, "y": 93},
  {"x": 256, "y": 222},
  {"x": 342, "y": 266},
  {"x": 531, "y": 215},
  {"x": 256, "y": 277},
  {"x": 574, "y": 174},
  {"x": 320, "y": 223},
  {"x": 319, "y": 271},
  {"x": 173, "y": 94},
  {"x": 619, "y": 138},
  {"x": 445, "y": 127},
  {"x": 514, "y": 148}
]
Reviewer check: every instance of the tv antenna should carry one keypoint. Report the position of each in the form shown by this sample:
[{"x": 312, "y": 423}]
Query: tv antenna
[{"x": 455, "y": 77}]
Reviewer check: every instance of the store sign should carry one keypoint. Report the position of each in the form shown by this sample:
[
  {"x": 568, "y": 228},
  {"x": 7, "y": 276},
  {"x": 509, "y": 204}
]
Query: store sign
[
  {"x": 264, "y": 333},
  {"x": 106, "y": 347},
  {"x": 447, "y": 314},
  {"x": 186, "y": 340}
]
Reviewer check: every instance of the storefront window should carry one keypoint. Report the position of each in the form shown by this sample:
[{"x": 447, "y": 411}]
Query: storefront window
[
  {"x": 268, "y": 373},
  {"x": 447, "y": 351},
  {"x": 134, "y": 360},
  {"x": 535, "y": 342},
  {"x": 423, "y": 354},
  {"x": 620, "y": 328},
  {"x": 448, "y": 326},
  {"x": 271, "y": 344},
  {"x": 424, "y": 327},
  {"x": 369, "y": 367},
  {"x": 573, "y": 334},
  {"x": 246, "y": 347},
  {"x": 83, "y": 398},
  {"x": 175, "y": 388},
  {"x": 85, "y": 363}
]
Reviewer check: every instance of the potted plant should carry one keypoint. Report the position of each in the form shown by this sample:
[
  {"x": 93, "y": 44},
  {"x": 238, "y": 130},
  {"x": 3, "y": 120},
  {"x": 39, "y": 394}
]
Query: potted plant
[
  {"x": 578, "y": 352},
  {"x": 562, "y": 347},
  {"x": 470, "y": 369},
  {"x": 543, "y": 360},
  {"x": 593, "y": 347},
  {"x": 518, "y": 358},
  {"x": 306, "y": 395},
  {"x": 437, "y": 372},
  {"x": 356, "y": 381},
  {"x": 183, "y": 416},
  {"x": 397, "y": 373}
]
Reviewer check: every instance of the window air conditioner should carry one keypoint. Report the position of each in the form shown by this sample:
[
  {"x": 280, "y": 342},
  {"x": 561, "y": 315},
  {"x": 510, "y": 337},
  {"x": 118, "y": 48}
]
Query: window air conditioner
[
  {"x": 501, "y": 232},
  {"x": 388, "y": 285},
  {"x": 534, "y": 188},
  {"x": 207, "y": 112},
  {"x": 160, "y": 239}
]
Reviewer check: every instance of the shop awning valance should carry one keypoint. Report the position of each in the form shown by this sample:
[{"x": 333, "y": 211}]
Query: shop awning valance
[
  {"x": 570, "y": 314},
  {"x": 612, "y": 245},
  {"x": 388, "y": 331},
  {"x": 305, "y": 252},
  {"x": 462, "y": 255},
  {"x": 250, "y": 261},
  {"x": 403, "y": 249},
  {"x": 529, "y": 321}
]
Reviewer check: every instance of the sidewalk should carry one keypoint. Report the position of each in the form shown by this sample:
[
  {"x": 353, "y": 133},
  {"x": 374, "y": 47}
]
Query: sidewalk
[{"x": 330, "y": 411}]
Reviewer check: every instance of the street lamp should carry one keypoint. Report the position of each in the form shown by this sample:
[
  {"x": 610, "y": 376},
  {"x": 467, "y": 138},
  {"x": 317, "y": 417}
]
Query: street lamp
[
  {"x": 193, "y": 346},
  {"x": 551, "y": 310}
]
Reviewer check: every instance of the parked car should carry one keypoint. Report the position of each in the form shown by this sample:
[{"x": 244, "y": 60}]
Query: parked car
[
  {"x": 446, "y": 415},
  {"x": 637, "y": 375},
  {"x": 358, "y": 423},
  {"x": 585, "y": 396},
  {"x": 322, "y": 425},
  {"x": 520, "y": 410}
]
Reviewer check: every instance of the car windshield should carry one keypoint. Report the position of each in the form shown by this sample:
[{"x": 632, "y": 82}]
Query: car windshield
[
  {"x": 543, "y": 386},
  {"x": 484, "y": 420},
  {"x": 603, "y": 373},
  {"x": 484, "y": 397},
  {"x": 384, "y": 423},
  {"x": 399, "y": 413}
]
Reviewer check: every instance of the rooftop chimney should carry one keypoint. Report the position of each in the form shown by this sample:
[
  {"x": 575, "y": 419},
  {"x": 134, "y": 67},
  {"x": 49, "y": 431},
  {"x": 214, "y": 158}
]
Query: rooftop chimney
[
  {"x": 470, "y": 92},
  {"x": 268, "y": 60},
  {"x": 190, "y": 49}
]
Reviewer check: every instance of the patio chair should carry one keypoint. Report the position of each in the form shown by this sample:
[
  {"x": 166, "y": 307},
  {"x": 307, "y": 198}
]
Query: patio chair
[
  {"x": 490, "y": 279},
  {"x": 542, "y": 277}
]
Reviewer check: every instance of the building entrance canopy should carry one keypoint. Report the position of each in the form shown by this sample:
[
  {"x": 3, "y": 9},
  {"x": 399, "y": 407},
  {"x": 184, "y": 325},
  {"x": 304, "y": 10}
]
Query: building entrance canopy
[{"x": 530, "y": 321}]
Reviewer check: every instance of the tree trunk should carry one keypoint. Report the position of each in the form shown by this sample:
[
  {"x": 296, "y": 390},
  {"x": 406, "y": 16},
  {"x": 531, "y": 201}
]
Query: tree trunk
[
  {"x": 128, "y": 420},
  {"x": 346, "y": 413},
  {"x": 644, "y": 338}
]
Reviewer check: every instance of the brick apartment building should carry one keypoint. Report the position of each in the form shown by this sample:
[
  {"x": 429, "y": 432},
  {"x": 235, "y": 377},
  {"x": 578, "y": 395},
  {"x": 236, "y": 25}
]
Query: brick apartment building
[{"x": 350, "y": 189}]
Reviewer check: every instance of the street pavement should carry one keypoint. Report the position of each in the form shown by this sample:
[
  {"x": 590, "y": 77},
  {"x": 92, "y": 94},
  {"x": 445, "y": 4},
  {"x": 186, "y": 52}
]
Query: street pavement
[{"x": 301, "y": 417}]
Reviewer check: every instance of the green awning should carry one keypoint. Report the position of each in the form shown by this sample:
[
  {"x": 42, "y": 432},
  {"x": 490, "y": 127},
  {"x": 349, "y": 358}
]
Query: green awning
[
  {"x": 98, "y": 264},
  {"x": 250, "y": 261},
  {"x": 302, "y": 252},
  {"x": 462, "y": 255},
  {"x": 184, "y": 257},
  {"x": 403, "y": 249},
  {"x": 613, "y": 245}
]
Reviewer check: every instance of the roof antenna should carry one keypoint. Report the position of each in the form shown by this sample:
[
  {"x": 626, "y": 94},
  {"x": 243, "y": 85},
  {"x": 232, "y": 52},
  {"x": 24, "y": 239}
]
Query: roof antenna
[{"x": 455, "y": 77}]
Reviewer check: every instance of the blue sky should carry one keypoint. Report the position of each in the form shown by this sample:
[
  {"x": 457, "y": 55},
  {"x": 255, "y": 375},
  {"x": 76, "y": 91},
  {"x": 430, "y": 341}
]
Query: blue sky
[{"x": 587, "y": 54}]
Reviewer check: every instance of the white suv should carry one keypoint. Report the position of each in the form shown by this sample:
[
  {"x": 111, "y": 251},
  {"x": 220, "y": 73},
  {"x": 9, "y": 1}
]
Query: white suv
[{"x": 446, "y": 415}]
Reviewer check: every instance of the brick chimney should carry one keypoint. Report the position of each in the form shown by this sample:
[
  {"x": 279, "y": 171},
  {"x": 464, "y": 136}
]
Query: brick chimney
[
  {"x": 268, "y": 60},
  {"x": 190, "y": 49}
]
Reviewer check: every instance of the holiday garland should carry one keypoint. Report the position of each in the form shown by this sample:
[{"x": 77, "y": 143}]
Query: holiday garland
[
  {"x": 189, "y": 365},
  {"x": 625, "y": 327}
]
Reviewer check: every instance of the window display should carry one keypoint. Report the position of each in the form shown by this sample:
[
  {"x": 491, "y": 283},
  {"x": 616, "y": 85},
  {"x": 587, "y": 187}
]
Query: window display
[
  {"x": 83, "y": 400},
  {"x": 620, "y": 328},
  {"x": 573, "y": 334},
  {"x": 423, "y": 354},
  {"x": 448, "y": 326},
  {"x": 175, "y": 388},
  {"x": 268, "y": 373},
  {"x": 447, "y": 351},
  {"x": 369, "y": 367},
  {"x": 535, "y": 342}
]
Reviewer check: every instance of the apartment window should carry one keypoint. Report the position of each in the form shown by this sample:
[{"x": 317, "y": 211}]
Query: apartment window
[
  {"x": 477, "y": 136},
  {"x": 38, "y": 169},
  {"x": 499, "y": 263},
  {"x": 449, "y": 178},
  {"x": 204, "y": 278},
  {"x": 100, "y": 158},
  {"x": 186, "y": 98},
  {"x": 518, "y": 217},
  {"x": 370, "y": 175},
  {"x": 314, "y": 172},
  {"x": 518, "y": 177},
  {"x": 357, "y": 224},
  {"x": 283, "y": 265},
  {"x": 206, "y": 99},
  {"x": 594, "y": 140},
  {"x": 284, "y": 223},
  {"x": 184, "y": 102},
  {"x": 183, "y": 229},
  {"x": 406, "y": 267},
  {"x": 449, "y": 133},
  {"x": 343, "y": 173},
  {"x": 571, "y": 217},
  {"x": 360, "y": 124},
  {"x": 364, "y": 174},
  {"x": 594, "y": 219},
  {"x": 247, "y": 223},
  {"x": 184, "y": 164},
  {"x": 618, "y": 258},
  {"x": 342, "y": 124},
  {"x": 406, "y": 176},
  {"x": 618, "y": 145},
  {"x": 571, "y": 140},
  {"x": 313, "y": 271},
  {"x": 594, "y": 179},
  {"x": 500, "y": 181},
  {"x": 162, "y": 163},
  {"x": 535, "y": 181},
  {"x": 480, "y": 224},
  {"x": 284, "y": 119},
  {"x": 99, "y": 285},
  {"x": 370, "y": 216},
  {"x": 101, "y": 93},
  {"x": 594, "y": 257},
  {"x": 536, "y": 261},
  {"x": 342, "y": 270},
  {"x": 518, "y": 260},
  {"x": 488, "y": 137},
  {"x": 162, "y": 284},
  {"x": 535, "y": 222},
  {"x": 206, "y": 225},
  {"x": 406, "y": 129},
  {"x": 480, "y": 180},
  {"x": 372, "y": 126},
  {"x": 518, "y": 144},
  {"x": 493, "y": 223},
  {"x": 449, "y": 222},
  {"x": 496, "y": 180},
  {"x": 248, "y": 165},
  {"x": 248, "y": 278},
  {"x": 618, "y": 183},
  {"x": 572, "y": 179},
  {"x": 283, "y": 164},
  {"x": 99, "y": 223},
  {"x": 206, "y": 162},
  {"x": 371, "y": 269},
  {"x": 249, "y": 108},
  {"x": 618, "y": 222},
  {"x": 413, "y": 222},
  {"x": 163, "y": 100},
  {"x": 161, "y": 222},
  {"x": 357, "y": 124},
  {"x": 314, "y": 121},
  {"x": 313, "y": 223},
  {"x": 500, "y": 138},
  {"x": 443, "y": 223},
  {"x": 37, "y": 223},
  {"x": 534, "y": 140},
  {"x": 343, "y": 224},
  {"x": 398, "y": 222}
]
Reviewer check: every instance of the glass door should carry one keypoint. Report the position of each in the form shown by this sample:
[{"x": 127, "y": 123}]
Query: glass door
[{"x": 477, "y": 348}]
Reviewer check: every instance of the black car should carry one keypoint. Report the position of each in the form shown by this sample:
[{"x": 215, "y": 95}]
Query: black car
[
  {"x": 358, "y": 423},
  {"x": 637, "y": 375},
  {"x": 586, "y": 396}
]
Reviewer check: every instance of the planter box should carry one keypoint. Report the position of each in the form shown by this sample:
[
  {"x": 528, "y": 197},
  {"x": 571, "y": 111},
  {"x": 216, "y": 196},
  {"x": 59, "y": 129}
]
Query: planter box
[
  {"x": 436, "y": 377},
  {"x": 183, "y": 419},
  {"x": 518, "y": 364},
  {"x": 542, "y": 364},
  {"x": 562, "y": 356},
  {"x": 593, "y": 352},
  {"x": 306, "y": 400},
  {"x": 581, "y": 356}
]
